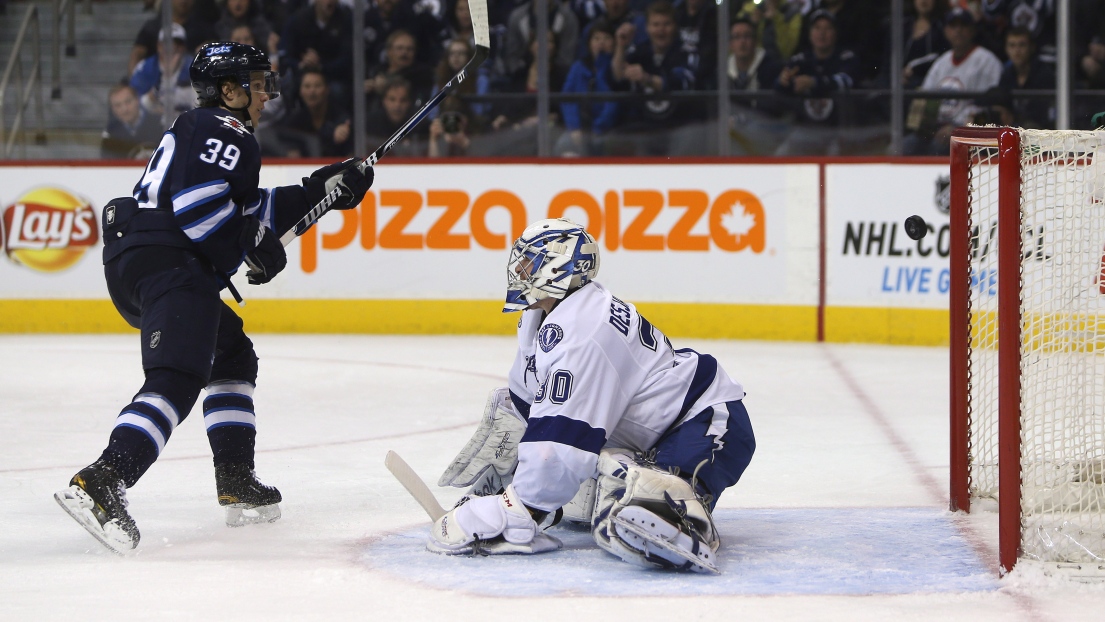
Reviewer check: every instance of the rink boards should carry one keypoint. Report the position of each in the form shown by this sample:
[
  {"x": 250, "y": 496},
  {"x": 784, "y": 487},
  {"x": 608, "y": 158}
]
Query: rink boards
[{"x": 800, "y": 250}]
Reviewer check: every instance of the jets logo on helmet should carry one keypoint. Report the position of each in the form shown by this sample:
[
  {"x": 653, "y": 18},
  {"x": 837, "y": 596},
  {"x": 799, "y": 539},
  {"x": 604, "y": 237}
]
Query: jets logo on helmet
[{"x": 550, "y": 259}]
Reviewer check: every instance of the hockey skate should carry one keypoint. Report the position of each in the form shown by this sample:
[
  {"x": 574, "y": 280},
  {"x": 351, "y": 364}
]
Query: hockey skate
[
  {"x": 657, "y": 538},
  {"x": 247, "y": 500},
  {"x": 96, "y": 498}
]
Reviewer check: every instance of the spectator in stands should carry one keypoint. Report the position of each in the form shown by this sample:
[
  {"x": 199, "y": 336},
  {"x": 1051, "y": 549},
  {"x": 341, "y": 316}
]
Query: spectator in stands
[
  {"x": 586, "y": 123},
  {"x": 317, "y": 126},
  {"x": 1024, "y": 70},
  {"x": 1090, "y": 37},
  {"x": 321, "y": 35},
  {"x": 658, "y": 66},
  {"x": 515, "y": 120},
  {"x": 965, "y": 67},
  {"x": 857, "y": 30},
  {"x": 131, "y": 131},
  {"x": 449, "y": 132},
  {"x": 458, "y": 23},
  {"x": 457, "y": 54},
  {"x": 146, "y": 79},
  {"x": 925, "y": 41},
  {"x": 248, "y": 13},
  {"x": 396, "y": 107},
  {"x": 754, "y": 127},
  {"x": 617, "y": 12},
  {"x": 522, "y": 27},
  {"x": 815, "y": 75},
  {"x": 399, "y": 61},
  {"x": 421, "y": 19},
  {"x": 277, "y": 12},
  {"x": 588, "y": 11},
  {"x": 1035, "y": 16},
  {"x": 697, "y": 24},
  {"x": 197, "y": 28},
  {"x": 778, "y": 24}
]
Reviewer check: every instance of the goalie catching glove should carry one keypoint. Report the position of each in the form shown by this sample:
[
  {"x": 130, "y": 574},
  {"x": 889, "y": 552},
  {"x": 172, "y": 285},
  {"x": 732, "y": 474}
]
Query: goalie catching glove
[
  {"x": 491, "y": 525},
  {"x": 345, "y": 175}
]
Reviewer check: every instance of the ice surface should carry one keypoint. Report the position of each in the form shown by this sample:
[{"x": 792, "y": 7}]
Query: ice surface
[{"x": 841, "y": 515}]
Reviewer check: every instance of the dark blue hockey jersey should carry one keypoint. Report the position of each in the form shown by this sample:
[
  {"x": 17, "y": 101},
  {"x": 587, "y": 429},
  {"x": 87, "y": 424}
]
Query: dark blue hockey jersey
[{"x": 206, "y": 172}]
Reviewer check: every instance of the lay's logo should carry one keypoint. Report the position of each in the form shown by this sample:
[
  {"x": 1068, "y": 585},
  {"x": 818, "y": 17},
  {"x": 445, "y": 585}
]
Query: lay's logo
[{"x": 48, "y": 229}]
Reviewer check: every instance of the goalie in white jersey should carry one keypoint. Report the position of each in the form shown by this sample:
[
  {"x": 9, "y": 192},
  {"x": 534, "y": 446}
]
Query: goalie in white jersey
[{"x": 604, "y": 422}]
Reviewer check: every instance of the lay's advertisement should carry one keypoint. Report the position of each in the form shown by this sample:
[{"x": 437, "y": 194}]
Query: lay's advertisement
[{"x": 717, "y": 249}]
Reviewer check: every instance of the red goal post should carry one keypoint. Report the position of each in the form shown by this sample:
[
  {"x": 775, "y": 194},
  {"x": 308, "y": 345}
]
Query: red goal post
[{"x": 1027, "y": 364}]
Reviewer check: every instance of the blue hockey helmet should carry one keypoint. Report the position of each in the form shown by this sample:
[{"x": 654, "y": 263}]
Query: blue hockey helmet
[
  {"x": 242, "y": 63},
  {"x": 550, "y": 259}
]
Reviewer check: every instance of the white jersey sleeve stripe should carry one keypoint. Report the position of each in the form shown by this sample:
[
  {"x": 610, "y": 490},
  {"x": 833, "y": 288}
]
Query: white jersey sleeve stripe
[{"x": 196, "y": 195}]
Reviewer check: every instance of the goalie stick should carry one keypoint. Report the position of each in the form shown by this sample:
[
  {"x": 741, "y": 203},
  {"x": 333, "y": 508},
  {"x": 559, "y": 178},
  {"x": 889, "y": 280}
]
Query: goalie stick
[
  {"x": 482, "y": 34},
  {"x": 414, "y": 485}
]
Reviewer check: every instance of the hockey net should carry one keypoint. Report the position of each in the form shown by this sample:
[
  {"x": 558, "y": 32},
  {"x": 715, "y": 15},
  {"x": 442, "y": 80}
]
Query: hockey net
[{"x": 1028, "y": 339}]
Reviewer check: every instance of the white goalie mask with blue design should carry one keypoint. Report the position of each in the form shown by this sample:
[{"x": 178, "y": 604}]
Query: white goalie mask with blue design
[{"x": 550, "y": 259}]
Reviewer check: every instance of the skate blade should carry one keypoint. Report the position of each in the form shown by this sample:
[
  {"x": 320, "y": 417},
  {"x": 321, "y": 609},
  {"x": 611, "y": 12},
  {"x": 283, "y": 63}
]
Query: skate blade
[
  {"x": 239, "y": 515},
  {"x": 653, "y": 535},
  {"x": 78, "y": 504}
]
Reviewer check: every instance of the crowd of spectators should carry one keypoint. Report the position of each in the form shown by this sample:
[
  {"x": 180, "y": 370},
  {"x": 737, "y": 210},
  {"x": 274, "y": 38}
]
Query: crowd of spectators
[{"x": 806, "y": 76}]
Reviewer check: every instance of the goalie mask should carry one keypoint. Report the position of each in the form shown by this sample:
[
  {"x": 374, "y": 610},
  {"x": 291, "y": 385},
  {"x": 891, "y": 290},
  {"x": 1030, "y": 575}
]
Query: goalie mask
[
  {"x": 550, "y": 259},
  {"x": 246, "y": 65}
]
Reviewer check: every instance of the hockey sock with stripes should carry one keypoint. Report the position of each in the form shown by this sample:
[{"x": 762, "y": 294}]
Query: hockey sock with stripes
[
  {"x": 231, "y": 422},
  {"x": 144, "y": 426}
]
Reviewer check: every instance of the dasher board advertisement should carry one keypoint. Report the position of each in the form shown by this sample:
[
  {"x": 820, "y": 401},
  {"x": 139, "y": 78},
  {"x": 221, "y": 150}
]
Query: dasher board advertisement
[
  {"x": 870, "y": 261},
  {"x": 724, "y": 233}
]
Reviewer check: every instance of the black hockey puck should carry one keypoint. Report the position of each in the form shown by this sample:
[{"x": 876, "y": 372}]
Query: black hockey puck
[{"x": 916, "y": 227}]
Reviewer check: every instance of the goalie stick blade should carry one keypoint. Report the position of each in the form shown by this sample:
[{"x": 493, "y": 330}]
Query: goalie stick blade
[
  {"x": 644, "y": 530},
  {"x": 414, "y": 485}
]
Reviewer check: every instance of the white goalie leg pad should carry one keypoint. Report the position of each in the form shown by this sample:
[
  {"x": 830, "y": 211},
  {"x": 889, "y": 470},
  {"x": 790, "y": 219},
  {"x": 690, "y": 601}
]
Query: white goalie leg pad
[
  {"x": 668, "y": 526},
  {"x": 582, "y": 506},
  {"x": 491, "y": 455},
  {"x": 493, "y": 525},
  {"x": 660, "y": 540}
]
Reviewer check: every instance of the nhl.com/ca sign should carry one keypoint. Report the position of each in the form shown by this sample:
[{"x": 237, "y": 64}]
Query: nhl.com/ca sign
[{"x": 48, "y": 229}]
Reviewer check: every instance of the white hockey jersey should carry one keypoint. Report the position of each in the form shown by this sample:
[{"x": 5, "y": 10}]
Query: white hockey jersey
[
  {"x": 979, "y": 70},
  {"x": 594, "y": 373}
]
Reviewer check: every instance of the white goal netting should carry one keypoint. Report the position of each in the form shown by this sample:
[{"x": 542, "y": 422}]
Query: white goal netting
[{"x": 1062, "y": 349}]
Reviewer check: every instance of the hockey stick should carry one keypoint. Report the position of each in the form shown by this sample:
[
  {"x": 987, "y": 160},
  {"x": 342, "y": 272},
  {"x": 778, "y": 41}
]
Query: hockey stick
[
  {"x": 482, "y": 34},
  {"x": 414, "y": 485}
]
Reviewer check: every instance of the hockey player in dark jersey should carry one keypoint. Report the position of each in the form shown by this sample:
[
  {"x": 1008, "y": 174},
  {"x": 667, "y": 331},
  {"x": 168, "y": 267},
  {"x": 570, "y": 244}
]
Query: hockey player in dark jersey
[{"x": 196, "y": 215}]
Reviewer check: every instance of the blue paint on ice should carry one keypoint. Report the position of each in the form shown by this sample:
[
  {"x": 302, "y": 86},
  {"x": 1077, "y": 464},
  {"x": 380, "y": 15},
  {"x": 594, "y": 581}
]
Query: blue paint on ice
[{"x": 822, "y": 551}]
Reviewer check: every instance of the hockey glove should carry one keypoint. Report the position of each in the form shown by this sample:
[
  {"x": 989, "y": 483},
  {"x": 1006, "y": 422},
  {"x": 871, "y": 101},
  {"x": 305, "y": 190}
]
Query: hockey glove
[
  {"x": 265, "y": 255},
  {"x": 343, "y": 175},
  {"x": 487, "y": 462},
  {"x": 493, "y": 525}
]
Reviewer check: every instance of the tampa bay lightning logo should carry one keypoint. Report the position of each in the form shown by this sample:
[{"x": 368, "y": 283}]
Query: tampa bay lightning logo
[{"x": 550, "y": 335}]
